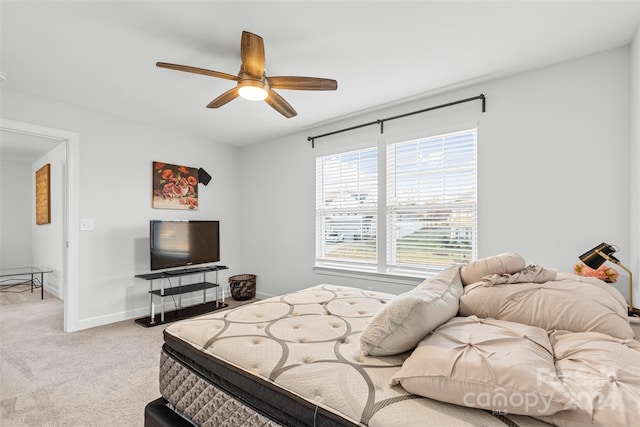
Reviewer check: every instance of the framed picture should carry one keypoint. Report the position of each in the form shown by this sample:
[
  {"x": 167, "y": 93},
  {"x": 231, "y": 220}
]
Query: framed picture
[
  {"x": 43, "y": 195},
  {"x": 174, "y": 186}
]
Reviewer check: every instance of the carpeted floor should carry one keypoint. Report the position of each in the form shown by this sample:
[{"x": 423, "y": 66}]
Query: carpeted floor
[
  {"x": 18, "y": 292},
  {"x": 102, "y": 376}
]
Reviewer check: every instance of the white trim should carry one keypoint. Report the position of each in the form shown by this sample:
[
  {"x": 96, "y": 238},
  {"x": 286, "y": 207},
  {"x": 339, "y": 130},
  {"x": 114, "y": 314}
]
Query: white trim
[
  {"x": 396, "y": 279},
  {"x": 70, "y": 285}
]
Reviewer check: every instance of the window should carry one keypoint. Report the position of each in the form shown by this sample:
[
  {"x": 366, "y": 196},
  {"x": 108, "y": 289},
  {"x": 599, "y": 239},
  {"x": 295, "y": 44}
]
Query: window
[
  {"x": 428, "y": 194},
  {"x": 347, "y": 208},
  {"x": 431, "y": 202}
]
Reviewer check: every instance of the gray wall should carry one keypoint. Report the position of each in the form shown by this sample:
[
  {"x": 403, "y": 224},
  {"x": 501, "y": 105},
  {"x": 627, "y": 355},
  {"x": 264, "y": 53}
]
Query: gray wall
[
  {"x": 634, "y": 166},
  {"x": 15, "y": 222},
  {"x": 545, "y": 134},
  {"x": 114, "y": 176}
]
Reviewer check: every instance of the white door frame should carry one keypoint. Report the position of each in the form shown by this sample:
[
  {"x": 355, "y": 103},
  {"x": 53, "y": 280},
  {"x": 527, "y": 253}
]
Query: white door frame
[{"x": 72, "y": 139}]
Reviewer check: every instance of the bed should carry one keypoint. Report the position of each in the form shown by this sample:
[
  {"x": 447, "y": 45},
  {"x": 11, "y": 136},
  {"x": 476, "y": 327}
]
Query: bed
[{"x": 454, "y": 351}]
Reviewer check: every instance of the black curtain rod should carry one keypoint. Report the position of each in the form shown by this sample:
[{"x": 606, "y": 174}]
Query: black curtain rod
[{"x": 312, "y": 139}]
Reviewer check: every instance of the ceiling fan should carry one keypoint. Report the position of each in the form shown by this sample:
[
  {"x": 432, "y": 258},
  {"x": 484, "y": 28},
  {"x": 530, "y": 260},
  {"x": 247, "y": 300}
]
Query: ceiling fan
[{"x": 253, "y": 83}]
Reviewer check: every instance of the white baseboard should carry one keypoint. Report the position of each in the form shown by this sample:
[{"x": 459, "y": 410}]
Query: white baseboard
[
  {"x": 107, "y": 319},
  {"x": 262, "y": 295},
  {"x": 55, "y": 291},
  {"x": 138, "y": 312}
]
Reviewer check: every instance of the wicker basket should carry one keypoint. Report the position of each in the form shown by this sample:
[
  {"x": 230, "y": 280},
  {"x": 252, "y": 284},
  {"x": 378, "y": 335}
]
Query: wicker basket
[{"x": 243, "y": 286}]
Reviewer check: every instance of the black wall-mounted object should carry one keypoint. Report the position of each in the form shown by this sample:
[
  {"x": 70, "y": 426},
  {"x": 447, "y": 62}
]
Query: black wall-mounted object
[{"x": 203, "y": 176}]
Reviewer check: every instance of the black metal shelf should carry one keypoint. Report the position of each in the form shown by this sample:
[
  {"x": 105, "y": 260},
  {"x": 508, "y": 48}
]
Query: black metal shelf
[
  {"x": 183, "y": 313},
  {"x": 176, "y": 290}
]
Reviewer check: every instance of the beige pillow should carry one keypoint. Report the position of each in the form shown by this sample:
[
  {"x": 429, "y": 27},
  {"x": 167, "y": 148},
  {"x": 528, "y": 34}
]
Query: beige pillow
[
  {"x": 571, "y": 303},
  {"x": 488, "y": 364},
  {"x": 409, "y": 317},
  {"x": 507, "y": 263},
  {"x": 603, "y": 373}
]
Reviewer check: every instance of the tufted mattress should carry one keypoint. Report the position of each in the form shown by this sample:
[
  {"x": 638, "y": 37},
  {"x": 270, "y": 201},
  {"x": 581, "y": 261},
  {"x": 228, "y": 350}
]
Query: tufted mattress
[{"x": 295, "y": 360}]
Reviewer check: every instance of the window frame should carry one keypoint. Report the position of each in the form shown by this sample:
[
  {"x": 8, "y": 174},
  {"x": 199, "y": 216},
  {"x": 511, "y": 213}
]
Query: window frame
[{"x": 381, "y": 270}]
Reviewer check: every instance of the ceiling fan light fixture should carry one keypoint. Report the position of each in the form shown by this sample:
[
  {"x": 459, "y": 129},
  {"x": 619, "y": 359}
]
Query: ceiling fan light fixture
[{"x": 252, "y": 90}]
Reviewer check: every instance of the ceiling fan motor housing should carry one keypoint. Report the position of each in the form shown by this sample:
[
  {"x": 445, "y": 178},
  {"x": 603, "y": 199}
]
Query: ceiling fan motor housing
[{"x": 252, "y": 88}]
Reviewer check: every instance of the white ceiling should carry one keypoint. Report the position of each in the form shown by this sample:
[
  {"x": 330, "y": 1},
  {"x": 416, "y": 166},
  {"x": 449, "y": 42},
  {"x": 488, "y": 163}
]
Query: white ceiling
[{"x": 101, "y": 55}]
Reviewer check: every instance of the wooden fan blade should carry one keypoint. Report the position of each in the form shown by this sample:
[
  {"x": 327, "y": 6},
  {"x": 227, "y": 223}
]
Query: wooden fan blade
[
  {"x": 196, "y": 70},
  {"x": 252, "y": 52},
  {"x": 280, "y": 105},
  {"x": 228, "y": 96},
  {"x": 302, "y": 83}
]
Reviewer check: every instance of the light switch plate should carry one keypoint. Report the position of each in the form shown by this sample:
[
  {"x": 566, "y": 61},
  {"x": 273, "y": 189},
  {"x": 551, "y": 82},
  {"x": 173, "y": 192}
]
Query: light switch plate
[{"x": 87, "y": 225}]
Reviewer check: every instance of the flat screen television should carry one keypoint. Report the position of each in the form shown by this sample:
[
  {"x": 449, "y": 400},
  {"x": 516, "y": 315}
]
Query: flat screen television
[{"x": 176, "y": 243}]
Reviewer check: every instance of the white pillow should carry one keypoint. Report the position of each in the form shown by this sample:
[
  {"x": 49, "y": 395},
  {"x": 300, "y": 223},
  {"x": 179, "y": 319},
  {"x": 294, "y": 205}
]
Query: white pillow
[
  {"x": 409, "y": 317},
  {"x": 603, "y": 373},
  {"x": 573, "y": 304},
  {"x": 488, "y": 364},
  {"x": 506, "y": 263}
]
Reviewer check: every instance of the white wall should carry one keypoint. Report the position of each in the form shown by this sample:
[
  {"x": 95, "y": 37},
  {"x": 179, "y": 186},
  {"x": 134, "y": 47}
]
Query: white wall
[
  {"x": 15, "y": 225},
  {"x": 545, "y": 135},
  {"x": 634, "y": 166},
  {"x": 115, "y": 163},
  {"x": 47, "y": 240}
]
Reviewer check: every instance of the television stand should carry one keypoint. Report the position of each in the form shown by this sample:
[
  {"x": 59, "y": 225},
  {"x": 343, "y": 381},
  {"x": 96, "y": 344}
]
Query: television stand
[{"x": 181, "y": 312}]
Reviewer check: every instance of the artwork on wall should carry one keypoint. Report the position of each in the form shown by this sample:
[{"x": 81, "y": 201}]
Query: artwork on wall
[
  {"x": 43, "y": 195},
  {"x": 174, "y": 186}
]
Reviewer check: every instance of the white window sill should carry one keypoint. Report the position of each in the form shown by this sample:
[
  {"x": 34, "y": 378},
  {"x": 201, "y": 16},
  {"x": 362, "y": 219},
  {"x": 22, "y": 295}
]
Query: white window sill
[{"x": 397, "y": 278}]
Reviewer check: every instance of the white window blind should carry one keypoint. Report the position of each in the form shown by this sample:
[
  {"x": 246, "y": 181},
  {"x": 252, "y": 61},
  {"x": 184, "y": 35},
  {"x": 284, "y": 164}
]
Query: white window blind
[
  {"x": 346, "y": 208},
  {"x": 427, "y": 218},
  {"x": 431, "y": 202}
]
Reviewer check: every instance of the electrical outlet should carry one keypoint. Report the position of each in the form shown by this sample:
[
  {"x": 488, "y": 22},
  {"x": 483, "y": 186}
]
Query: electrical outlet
[{"x": 87, "y": 225}]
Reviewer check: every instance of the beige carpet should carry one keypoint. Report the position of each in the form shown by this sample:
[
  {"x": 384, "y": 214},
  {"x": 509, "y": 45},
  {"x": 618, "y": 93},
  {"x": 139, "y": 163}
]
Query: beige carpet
[
  {"x": 97, "y": 377},
  {"x": 14, "y": 293}
]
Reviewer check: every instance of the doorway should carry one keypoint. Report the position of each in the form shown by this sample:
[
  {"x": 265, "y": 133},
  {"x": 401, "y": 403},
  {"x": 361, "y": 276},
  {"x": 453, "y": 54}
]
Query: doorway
[{"x": 70, "y": 215}]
